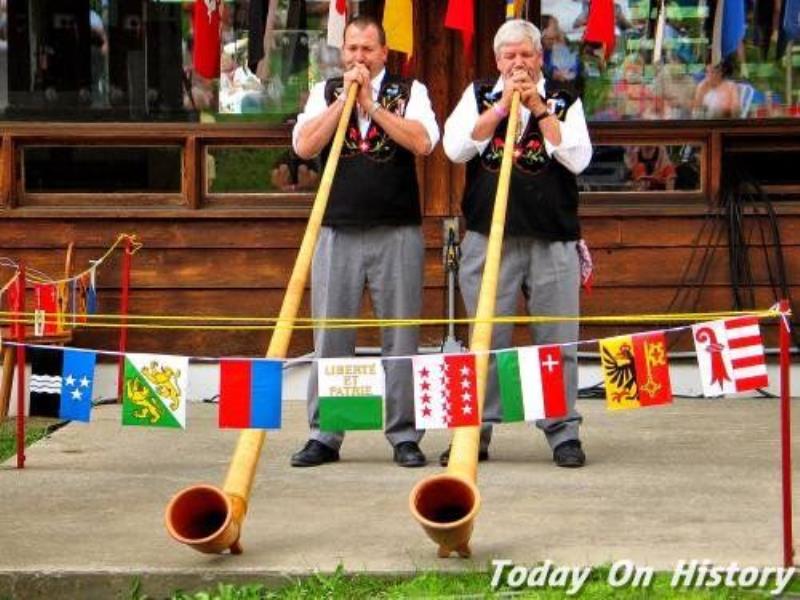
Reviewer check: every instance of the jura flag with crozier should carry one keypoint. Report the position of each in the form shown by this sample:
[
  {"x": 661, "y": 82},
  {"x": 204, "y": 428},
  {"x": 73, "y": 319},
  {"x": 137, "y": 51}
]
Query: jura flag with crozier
[
  {"x": 531, "y": 383},
  {"x": 636, "y": 370},
  {"x": 154, "y": 391},
  {"x": 445, "y": 391},
  {"x": 337, "y": 18},
  {"x": 730, "y": 355},
  {"x": 351, "y": 392}
]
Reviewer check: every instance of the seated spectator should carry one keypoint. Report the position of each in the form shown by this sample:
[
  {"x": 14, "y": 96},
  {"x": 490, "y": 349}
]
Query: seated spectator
[
  {"x": 650, "y": 168},
  {"x": 717, "y": 96}
]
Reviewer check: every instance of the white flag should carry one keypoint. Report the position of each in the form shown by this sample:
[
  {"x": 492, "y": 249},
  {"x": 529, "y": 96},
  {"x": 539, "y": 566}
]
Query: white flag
[{"x": 337, "y": 19}]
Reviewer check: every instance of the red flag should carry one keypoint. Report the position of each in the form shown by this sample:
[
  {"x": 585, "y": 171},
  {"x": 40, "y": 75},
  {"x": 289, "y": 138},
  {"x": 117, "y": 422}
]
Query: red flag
[
  {"x": 47, "y": 301},
  {"x": 461, "y": 15},
  {"x": 600, "y": 25},
  {"x": 206, "y": 38},
  {"x": 652, "y": 368}
]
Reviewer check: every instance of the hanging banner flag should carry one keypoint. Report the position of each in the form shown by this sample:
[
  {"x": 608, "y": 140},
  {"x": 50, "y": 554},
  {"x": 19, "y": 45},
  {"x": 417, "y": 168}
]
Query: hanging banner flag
[
  {"x": 337, "y": 19},
  {"x": 398, "y": 22},
  {"x": 250, "y": 394},
  {"x": 461, "y": 16},
  {"x": 91, "y": 293},
  {"x": 445, "y": 391},
  {"x": 600, "y": 25},
  {"x": 61, "y": 383},
  {"x": 206, "y": 42},
  {"x": 730, "y": 356},
  {"x": 62, "y": 300},
  {"x": 351, "y": 392},
  {"x": 728, "y": 32},
  {"x": 636, "y": 370},
  {"x": 154, "y": 390},
  {"x": 46, "y": 300},
  {"x": 531, "y": 383}
]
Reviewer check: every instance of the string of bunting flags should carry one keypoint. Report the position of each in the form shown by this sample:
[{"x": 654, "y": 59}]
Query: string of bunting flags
[
  {"x": 58, "y": 303},
  {"x": 635, "y": 369}
]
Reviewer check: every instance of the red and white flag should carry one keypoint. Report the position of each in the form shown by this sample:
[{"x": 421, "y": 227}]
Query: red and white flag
[
  {"x": 730, "y": 355},
  {"x": 46, "y": 296},
  {"x": 445, "y": 391},
  {"x": 337, "y": 19}
]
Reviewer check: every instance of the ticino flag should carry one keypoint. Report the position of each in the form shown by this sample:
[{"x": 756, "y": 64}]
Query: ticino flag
[
  {"x": 445, "y": 391},
  {"x": 531, "y": 383},
  {"x": 730, "y": 355}
]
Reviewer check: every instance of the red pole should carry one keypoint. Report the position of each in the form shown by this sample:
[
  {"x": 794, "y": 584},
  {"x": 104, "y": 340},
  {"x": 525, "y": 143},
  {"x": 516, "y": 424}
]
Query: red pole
[
  {"x": 123, "y": 310},
  {"x": 19, "y": 333},
  {"x": 786, "y": 436}
]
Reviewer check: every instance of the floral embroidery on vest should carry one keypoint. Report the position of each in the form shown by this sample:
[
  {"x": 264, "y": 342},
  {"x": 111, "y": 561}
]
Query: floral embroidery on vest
[
  {"x": 376, "y": 143},
  {"x": 530, "y": 155}
]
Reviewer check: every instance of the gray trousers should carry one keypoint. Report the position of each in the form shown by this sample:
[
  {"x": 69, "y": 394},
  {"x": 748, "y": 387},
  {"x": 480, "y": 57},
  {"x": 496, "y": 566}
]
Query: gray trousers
[
  {"x": 389, "y": 261},
  {"x": 548, "y": 275}
]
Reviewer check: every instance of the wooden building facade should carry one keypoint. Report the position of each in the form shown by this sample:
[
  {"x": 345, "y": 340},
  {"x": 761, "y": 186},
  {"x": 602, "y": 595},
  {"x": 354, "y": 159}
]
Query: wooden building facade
[{"x": 212, "y": 253}]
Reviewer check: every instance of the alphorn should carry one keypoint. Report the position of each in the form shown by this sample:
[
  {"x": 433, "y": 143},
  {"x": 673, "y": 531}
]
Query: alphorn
[
  {"x": 446, "y": 504},
  {"x": 205, "y": 517}
]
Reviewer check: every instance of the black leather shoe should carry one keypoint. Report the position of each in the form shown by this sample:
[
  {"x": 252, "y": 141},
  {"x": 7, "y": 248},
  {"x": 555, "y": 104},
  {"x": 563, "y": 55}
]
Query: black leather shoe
[
  {"x": 444, "y": 457},
  {"x": 408, "y": 454},
  {"x": 569, "y": 454},
  {"x": 314, "y": 453}
]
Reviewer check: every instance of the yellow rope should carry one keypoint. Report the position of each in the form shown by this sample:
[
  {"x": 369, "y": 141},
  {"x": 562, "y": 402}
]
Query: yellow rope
[
  {"x": 267, "y": 323},
  {"x": 135, "y": 246}
]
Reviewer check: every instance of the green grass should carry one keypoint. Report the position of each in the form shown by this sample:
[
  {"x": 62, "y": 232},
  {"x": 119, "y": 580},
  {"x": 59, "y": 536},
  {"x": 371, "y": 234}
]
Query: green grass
[
  {"x": 460, "y": 585},
  {"x": 35, "y": 429}
]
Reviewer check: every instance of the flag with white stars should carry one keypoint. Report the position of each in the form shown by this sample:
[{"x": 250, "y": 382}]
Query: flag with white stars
[
  {"x": 77, "y": 382},
  {"x": 445, "y": 391},
  {"x": 61, "y": 383}
]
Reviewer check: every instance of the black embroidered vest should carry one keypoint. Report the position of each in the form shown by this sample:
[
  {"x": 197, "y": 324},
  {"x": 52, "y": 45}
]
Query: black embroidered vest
[
  {"x": 543, "y": 196},
  {"x": 376, "y": 179}
]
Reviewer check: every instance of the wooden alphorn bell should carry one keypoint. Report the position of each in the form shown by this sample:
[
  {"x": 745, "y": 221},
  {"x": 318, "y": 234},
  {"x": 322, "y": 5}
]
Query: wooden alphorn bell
[{"x": 446, "y": 504}]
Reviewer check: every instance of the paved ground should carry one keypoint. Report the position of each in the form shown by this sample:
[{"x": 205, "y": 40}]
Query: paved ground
[{"x": 699, "y": 479}]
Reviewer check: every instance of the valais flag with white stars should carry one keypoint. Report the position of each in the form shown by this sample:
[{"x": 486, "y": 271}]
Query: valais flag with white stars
[{"x": 445, "y": 391}]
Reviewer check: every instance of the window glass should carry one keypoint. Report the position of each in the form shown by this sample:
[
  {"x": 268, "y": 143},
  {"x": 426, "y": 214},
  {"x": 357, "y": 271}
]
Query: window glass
[
  {"x": 102, "y": 169},
  {"x": 134, "y": 60},
  {"x": 643, "y": 168},
  {"x": 664, "y": 62},
  {"x": 258, "y": 170}
]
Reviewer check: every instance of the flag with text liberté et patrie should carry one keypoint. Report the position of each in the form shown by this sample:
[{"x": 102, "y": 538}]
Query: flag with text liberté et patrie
[
  {"x": 351, "y": 392},
  {"x": 730, "y": 356},
  {"x": 636, "y": 370},
  {"x": 154, "y": 390},
  {"x": 531, "y": 383},
  {"x": 250, "y": 393},
  {"x": 445, "y": 391},
  {"x": 61, "y": 383}
]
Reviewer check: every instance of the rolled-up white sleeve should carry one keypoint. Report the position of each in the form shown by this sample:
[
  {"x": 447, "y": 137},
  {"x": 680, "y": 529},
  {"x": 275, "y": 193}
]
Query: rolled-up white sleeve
[
  {"x": 419, "y": 109},
  {"x": 315, "y": 106},
  {"x": 457, "y": 140},
  {"x": 575, "y": 149}
]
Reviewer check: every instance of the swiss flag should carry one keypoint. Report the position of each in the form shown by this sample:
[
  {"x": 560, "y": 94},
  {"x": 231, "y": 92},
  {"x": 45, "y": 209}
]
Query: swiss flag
[
  {"x": 445, "y": 391},
  {"x": 206, "y": 38}
]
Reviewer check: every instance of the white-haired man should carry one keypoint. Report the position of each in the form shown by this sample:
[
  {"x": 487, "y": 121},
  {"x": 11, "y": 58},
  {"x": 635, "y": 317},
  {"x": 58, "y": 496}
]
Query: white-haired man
[{"x": 540, "y": 257}]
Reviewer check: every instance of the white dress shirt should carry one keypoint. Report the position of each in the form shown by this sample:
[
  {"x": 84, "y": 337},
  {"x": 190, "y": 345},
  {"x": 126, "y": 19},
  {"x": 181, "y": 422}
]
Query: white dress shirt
[
  {"x": 574, "y": 151},
  {"x": 418, "y": 108}
]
